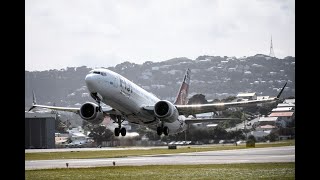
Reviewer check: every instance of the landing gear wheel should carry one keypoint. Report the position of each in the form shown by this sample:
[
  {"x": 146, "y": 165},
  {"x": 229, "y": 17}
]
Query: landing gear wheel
[
  {"x": 159, "y": 130},
  {"x": 166, "y": 130},
  {"x": 123, "y": 131},
  {"x": 116, "y": 131},
  {"x": 98, "y": 109}
]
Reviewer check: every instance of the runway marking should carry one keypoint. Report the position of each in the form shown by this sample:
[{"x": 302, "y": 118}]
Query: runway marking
[{"x": 284, "y": 154}]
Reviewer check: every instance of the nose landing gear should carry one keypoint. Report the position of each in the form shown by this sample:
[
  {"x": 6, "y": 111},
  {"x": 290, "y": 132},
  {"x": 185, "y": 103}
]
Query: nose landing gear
[{"x": 98, "y": 99}]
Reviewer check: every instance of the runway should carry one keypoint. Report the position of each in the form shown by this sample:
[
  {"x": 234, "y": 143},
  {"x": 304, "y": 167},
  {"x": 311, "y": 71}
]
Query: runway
[{"x": 252, "y": 155}]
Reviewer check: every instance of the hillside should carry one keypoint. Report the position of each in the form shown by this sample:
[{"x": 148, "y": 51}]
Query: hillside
[{"x": 213, "y": 76}]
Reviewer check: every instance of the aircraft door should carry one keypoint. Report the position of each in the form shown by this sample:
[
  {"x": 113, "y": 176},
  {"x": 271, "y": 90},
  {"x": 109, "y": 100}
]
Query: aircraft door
[{"x": 115, "y": 82}]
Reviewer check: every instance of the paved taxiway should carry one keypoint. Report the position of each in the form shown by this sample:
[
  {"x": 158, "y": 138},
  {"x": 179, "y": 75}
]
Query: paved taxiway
[
  {"x": 92, "y": 149},
  {"x": 252, "y": 155}
]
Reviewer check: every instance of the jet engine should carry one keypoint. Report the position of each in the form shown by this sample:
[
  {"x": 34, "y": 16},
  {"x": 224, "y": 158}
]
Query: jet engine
[
  {"x": 90, "y": 112},
  {"x": 166, "y": 111}
]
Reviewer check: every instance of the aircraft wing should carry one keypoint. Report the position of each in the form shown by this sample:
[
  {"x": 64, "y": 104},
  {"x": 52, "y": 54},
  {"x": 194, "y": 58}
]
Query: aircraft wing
[
  {"x": 203, "y": 108},
  {"x": 201, "y": 120},
  {"x": 68, "y": 109},
  {"x": 106, "y": 110}
]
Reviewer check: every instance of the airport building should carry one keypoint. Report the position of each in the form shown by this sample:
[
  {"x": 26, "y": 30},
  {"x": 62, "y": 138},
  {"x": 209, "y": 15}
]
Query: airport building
[{"x": 39, "y": 130}]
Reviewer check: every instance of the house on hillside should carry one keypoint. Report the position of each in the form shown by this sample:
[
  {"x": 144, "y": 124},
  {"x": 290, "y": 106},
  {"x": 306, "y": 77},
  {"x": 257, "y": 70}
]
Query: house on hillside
[
  {"x": 273, "y": 121},
  {"x": 286, "y": 105},
  {"x": 283, "y": 116},
  {"x": 262, "y": 97},
  {"x": 247, "y": 96},
  {"x": 289, "y": 101},
  {"x": 283, "y": 109}
]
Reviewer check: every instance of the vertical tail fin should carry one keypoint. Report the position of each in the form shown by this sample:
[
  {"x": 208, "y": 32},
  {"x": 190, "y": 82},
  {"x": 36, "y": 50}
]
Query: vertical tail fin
[{"x": 182, "y": 95}]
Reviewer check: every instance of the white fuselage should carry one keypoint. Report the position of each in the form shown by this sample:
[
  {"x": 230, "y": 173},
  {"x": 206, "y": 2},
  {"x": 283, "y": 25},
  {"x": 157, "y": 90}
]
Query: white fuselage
[{"x": 128, "y": 99}]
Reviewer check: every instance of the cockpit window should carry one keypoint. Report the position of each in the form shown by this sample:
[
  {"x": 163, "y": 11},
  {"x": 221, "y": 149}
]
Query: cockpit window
[{"x": 98, "y": 72}]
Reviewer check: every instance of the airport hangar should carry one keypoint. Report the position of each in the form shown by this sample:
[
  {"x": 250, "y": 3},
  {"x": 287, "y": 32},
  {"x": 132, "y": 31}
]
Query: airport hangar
[{"x": 39, "y": 130}]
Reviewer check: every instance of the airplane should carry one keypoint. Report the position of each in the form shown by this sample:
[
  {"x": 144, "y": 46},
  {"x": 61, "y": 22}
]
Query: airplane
[{"x": 128, "y": 101}]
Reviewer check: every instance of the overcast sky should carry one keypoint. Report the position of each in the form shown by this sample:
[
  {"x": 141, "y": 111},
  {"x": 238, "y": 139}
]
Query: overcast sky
[{"x": 103, "y": 33}]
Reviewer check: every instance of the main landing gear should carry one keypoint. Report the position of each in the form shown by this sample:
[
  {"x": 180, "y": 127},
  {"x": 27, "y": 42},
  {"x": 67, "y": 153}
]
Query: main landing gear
[
  {"x": 163, "y": 129},
  {"x": 120, "y": 130}
]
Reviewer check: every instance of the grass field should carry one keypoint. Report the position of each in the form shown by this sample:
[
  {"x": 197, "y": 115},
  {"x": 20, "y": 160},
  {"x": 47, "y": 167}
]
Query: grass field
[
  {"x": 126, "y": 153},
  {"x": 161, "y": 172}
]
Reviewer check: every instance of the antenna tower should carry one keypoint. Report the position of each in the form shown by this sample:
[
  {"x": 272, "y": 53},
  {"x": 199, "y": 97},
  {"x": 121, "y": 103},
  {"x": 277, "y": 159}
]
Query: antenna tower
[{"x": 271, "y": 50}]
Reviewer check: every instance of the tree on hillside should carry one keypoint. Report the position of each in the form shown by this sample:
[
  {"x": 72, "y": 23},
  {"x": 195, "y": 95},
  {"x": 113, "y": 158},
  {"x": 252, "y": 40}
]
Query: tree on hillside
[
  {"x": 219, "y": 133},
  {"x": 251, "y": 138},
  {"x": 174, "y": 137},
  {"x": 229, "y": 99},
  {"x": 152, "y": 135},
  {"x": 266, "y": 109},
  {"x": 60, "y": 127},
  {"x": 237, "y": 135},
  {"x": 290, "y": 97},
  {"x": 101, "y": 133},
  {"x": 198, "y": 99},
  {"x": 272, "y": 137},
  {"x": 215, "y": 101}
]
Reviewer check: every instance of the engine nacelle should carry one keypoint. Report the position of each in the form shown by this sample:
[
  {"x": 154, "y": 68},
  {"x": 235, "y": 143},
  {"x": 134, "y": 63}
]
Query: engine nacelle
[
  {"x": 90, "y": 112},
  {"x": 166, "y": 111}
]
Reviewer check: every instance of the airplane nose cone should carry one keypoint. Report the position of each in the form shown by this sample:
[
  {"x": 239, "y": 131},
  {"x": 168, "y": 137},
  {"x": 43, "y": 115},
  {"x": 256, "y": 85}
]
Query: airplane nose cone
[
  {"x": 90, "y": 82},
  {"x": 88, "y": 78}
]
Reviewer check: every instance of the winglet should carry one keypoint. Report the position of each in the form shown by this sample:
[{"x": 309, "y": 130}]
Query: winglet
[
  {"x": 281, "y": 91},
  {"x": 34, "y": 102},
  {"x": 33, "y": 98}
]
